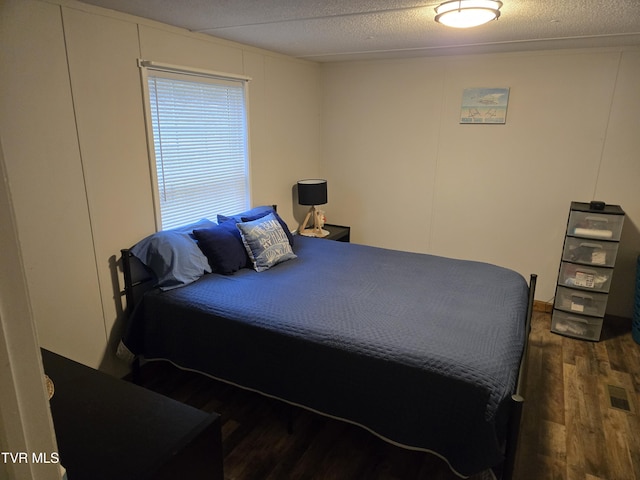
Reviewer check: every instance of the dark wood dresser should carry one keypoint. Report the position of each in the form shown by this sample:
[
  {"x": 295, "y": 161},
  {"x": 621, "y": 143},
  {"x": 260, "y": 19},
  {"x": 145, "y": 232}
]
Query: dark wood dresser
[{"x": 108, "y": 428}]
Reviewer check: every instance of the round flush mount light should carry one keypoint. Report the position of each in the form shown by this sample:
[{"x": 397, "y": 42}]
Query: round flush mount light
[{"x": 467, "y": 13}]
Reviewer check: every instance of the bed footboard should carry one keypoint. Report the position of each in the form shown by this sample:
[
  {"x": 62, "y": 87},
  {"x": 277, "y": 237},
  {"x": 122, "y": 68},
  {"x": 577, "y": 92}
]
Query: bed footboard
[{"x": 517, "y": 399}]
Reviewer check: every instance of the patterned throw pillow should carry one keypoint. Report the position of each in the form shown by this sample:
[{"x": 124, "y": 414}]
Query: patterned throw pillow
[{"x": 266, "y": 242}]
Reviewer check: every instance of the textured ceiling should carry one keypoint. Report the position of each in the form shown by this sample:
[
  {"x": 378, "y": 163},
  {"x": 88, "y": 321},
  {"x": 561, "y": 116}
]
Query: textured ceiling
[{"x": 334, "y": 30}]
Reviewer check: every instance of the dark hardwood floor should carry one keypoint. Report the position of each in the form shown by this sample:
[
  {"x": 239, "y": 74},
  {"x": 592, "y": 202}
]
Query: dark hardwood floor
[{"x": 569, "y": 429}]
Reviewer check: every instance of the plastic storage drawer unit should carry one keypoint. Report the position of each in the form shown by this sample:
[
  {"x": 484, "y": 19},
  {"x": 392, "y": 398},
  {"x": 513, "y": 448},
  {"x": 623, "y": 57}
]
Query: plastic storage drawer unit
[
  {"x": 578, "y": 326},
  {"x": 586, "y": 269}
]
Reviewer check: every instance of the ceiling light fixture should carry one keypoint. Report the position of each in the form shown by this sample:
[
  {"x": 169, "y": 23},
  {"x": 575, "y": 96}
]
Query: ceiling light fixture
[{"x": 467, "y": 13}]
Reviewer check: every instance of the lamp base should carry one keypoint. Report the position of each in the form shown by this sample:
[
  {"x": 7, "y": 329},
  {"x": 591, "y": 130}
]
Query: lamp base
[
  {"x": 317, "y": 230},
  {"x": 312, "y": 232}
]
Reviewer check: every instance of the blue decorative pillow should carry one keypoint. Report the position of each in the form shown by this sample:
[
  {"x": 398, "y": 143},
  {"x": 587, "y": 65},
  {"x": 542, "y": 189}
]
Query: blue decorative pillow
[
  {"x": 223, "y": 247},
  {"x": 173, "y": 256},
  {"x": 282, "y": 223},
  {"x": 266, "y": 242}
]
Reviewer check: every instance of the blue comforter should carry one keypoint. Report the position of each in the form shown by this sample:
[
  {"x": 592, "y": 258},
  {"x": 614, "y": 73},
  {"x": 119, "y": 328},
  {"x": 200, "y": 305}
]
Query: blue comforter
[{"x": 419, "y": 349}]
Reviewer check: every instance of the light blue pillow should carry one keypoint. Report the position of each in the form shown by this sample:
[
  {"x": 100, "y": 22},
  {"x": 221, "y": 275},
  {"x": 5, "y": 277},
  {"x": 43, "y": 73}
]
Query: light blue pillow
[
  {"x": 266, "y": 242},
  {"x": 173, "y": 256}
]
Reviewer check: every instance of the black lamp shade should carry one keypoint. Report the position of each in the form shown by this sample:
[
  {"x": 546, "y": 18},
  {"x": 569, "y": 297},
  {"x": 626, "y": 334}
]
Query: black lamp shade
[{"x": 312, "y": 191}]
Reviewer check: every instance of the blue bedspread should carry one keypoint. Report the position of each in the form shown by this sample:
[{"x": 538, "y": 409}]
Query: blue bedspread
[{"x": 421, "y": 350}]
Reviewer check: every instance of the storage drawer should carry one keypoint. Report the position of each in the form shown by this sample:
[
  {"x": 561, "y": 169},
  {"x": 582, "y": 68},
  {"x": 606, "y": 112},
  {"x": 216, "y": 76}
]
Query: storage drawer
[
  {"x": 579, "y": 301},
  {"x": 586, "y": 277},
  {"x": 590, "y": 252},
  {"x": 571, "y": 325},
  {"x": 595, "y": 225}
]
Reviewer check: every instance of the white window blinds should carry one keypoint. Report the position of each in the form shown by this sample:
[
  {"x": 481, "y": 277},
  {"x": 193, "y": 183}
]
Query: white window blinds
[{"x": 200, "y": 146}]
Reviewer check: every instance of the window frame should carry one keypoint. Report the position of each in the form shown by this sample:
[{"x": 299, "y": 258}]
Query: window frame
[{"x": 148, "y": 68}]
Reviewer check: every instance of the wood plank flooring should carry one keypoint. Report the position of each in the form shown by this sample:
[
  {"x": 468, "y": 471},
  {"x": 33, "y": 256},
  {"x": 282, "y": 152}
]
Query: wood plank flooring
[{"x": 570, "y": 430}]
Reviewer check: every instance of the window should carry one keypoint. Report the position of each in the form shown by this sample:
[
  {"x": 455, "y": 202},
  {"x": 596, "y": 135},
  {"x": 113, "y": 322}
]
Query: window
[{"x": 199, "y": 127}]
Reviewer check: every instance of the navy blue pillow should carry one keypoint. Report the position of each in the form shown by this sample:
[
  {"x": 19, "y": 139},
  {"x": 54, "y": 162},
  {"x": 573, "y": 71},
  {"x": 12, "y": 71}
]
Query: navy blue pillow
[
  {"x": 223, "y": 247},
  {"x": 263, "y": 209}
]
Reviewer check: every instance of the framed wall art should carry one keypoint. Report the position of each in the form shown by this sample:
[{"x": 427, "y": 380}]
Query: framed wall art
[{"x": 484, "y": 105}]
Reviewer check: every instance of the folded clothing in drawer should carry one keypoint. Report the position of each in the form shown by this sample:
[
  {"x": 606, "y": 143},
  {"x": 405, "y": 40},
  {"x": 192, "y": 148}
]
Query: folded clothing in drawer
[
  {"x": 578, "y": 326},
  {"x": 579, "y": 250}
]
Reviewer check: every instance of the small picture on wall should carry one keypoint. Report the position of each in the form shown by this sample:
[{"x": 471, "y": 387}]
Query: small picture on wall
[{"x": 484, "y": 105}]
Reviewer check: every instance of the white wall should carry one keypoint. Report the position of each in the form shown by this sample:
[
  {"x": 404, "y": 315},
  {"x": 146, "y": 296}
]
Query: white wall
[
  {"x": 45, "y": 174},
  {"x": 75, "y": 147},
  {"x": 405, "y": 174},
  {"x": 25, "y": 419}
]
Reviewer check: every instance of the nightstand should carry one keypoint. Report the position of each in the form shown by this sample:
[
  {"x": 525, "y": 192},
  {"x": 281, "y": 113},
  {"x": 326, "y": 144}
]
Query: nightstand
[
  {"x": 110, "y": 429},
  {"x": 339, "y": 233}
]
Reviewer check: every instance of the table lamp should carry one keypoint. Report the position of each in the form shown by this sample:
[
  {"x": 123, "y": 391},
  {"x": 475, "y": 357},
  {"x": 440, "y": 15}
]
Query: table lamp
[{"x": 312, "y": 192}]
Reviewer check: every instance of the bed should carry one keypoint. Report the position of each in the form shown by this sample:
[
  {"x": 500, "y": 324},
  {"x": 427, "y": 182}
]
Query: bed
[{"x": 424, "y": 351}]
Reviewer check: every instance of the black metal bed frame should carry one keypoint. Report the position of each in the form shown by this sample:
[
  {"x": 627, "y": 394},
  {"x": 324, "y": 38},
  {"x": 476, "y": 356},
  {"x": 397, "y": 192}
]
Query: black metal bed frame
[
  {"x": 517, "y": 399},
  {"x": 136, "y": 277}
]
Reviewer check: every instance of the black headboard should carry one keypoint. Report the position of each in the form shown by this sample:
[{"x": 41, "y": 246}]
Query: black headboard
[{"x": 137, "y": 279}]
